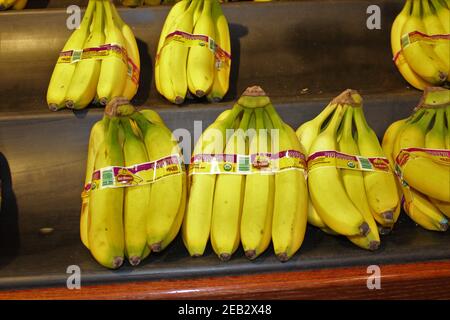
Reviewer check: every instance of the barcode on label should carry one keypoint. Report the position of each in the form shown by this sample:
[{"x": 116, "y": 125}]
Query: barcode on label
[
  {"x": 243, "y": 163},
  {"x": 365, "y": 163},
  {"x": 76, "y": 55},
  {"x": 107, "y": 178}
]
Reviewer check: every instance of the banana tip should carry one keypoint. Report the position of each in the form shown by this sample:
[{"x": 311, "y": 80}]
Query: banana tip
[
  {"x": 156, "y": 247},
  {"x": 224, "y": 256},
  {"x": 199, "y": 93},
  {"x": 374, "y": 245},
  {"x": 251, "y": 254},
  {"x": 196, "y": 255},
  {"x": 444, "y": 225},
  {"x": 134, "y": 261},
  {"x": 103, "y": 101},
  {"x": 53, "y": 107},
  {"x": 364, "y": 229},
  {"x": 117, "y": 262},
  {"x": 70, "y": 104},
  {"x": 179, "y": 100},
  {"x": 388, "y": 216},
  {"x": 283, "y": 257}
]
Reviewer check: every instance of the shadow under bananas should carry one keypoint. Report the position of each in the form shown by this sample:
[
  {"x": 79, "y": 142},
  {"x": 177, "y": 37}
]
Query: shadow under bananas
[
  {"x": 146, "y": 76},
  {"x": 9, "y": 218}
]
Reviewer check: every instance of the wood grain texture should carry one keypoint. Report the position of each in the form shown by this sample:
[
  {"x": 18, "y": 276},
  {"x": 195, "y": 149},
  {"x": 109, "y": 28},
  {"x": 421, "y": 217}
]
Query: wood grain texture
[{"x": 426, "y": 280}]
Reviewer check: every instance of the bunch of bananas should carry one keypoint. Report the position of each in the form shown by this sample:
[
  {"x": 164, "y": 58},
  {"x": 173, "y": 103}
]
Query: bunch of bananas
[
  {"x": 135, "y": 189},
  {"x": 351, "y": 187},
  {"x": 247, "y": 185},
  {"x": 420, "y": 42},
  {"x": 99, "y": 61},
  {"x": 419, "y": 148},
  {"x": 193, "y": 55},
  {"x": 13, "y": 4}
]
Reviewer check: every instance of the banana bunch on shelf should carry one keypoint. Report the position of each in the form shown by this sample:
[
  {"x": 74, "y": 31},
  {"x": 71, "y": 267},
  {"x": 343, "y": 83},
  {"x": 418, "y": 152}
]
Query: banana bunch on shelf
[
  {"x": 134, "y": 197},
  {"x": 247, "y": 184},
  {"x": 99, "y": 61},
  {"x": 13, "y": 4},
  {"x": 419, "y": 149},
  {"x": 193, "y": 56},
  {"x": 351, "y": 186},
  {"x": 420, "y": 42}
]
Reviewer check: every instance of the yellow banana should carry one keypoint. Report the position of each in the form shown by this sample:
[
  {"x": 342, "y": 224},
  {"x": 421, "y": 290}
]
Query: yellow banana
[
  {"x": 162, "y": 76},
  {"x": 63, "y": 72},
  {"x": 420, "y": 55},
  {"x": 106, "y": 236},
  {"x": 380, "y": 186},
  {"x": 83, "y": 86},
  {"x": 200, "y": 61},
  {"x": 166, "y": 193},
  {"x": 113, "y": 72},
  {"x": 222, "y": 67},
  {"x": 97, "y": 136},
  {"x": 197, "y": 222},
  {"x": 137, "y": 198},
  {"x": 20, "y": 4},
  {"x": 354, "y": 185},
  {"x": 290, "y": 212},
  {"x": 134, "y": 60},
  {"x": 443, "y": 14},
  {"x": 396, "y": 33},
  {"x": 330, "y": 199},
  {"x": 229, "y": 199},
  {"x": 6, "y": 4},
  {"x": 257, "y": 212},
  {"x": 436, "y": 137}
]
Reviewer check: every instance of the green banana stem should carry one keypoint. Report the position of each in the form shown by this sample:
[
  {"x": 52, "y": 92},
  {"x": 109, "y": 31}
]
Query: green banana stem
[
  {"x": 88, "y": 15},
  {"x": 347, "y": 127},
  {"x": 142, "y": 122},
  {"x": 325, "y": 114},
  {"x": 112, "y": 140},
  {"x": 127, "y": 128},
  {"x": 274, "y": 116},
  {"x": 425, "y": 121},
  {"x": 109, "y": 15},
  {"x": 333, "y": 125},
  {"x": 243, "y": 125},
  {"x": 117, "y": 18}
]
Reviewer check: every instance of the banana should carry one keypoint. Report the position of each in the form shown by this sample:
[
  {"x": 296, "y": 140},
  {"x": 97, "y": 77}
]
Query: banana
[
  {"x": 433, "y": 26},
  {"x": 380, "y": 187},
  {"x": 134, "y": 60},
  {"x": 162, "y": 77},
  {"x": 152, "y": 116},
  {"x": 20, "y": 4},
  {"x": 83, "y": 86},
  {"x": 136, "y": 198},
  {"x": 166, "y": 193},
  {"x": 423, "y": 212},
  {"x": 435, "y": 138},
  {"x": 63, "y": 72},
  {"x": 222, "y": 67},
  {"x": 229, "y": 198},
  {"x": 330, "y": 199},
  {"x": 447, "y": 115},
  {"x": 6, "y": 4},
  {"x": 444, "y": 207},
  {"x": 437, "y": 184},
  {"x": 200, "y": 61},
  {"x": 197, "y": 222},
  {"x": 173, "y": 58},
  {"x": 420, "y": 55},
  {"x": 443, "y": 14},
  {"x": 290, "y": 212},
  {"x": 113, "y": 72},
  {"x": 97, "y": 136},
  {"x": 106, "y": 236},
  {"x": 257, "y": 211},
  {"x": 396, "y": 33},
  {"x": 354, "y": 185},
  {"x": 388, "y": 141}
]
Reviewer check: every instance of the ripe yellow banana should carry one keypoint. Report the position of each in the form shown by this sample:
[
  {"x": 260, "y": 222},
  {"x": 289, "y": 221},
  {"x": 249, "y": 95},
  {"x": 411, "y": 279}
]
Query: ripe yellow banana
[
  {"x": 436, "y": 137},
  {"x": 222, "y": 68},
  {"x": 132, "y": 82},
  {"x": 106, "y": 235},
  {"x": 257, "y": 211},
  {"x": 113, "y": 72},
  {"x": 162, "y": 77},
  {"x": 136, "y": 198},
  {"x": 330, "y": 199},
  {"x": 6, "y": 4},
  {"x": 420, "y": 55},
  {"x": 166, "y": 193},
  {"x": 96, "y": 138},
  {"x": 389, "y": 139},
  {"x": 290, "y": 212},
  {"x": 433, "y": 26},
  {"x": 437, "y": 184},
  {"x": 380, "y": 187},
  {"x": 197, "y": 222},
  {"x": 229, "y": 199},
  {"x": 200, "y": 61},
  {"x": 83, "y": 86},
  {"x": 443, "y": 14},
  {"x": 353, "y": 181},
  {"x": 396, "y": 33},
  {"x": 63, "y": 72},
  {"x": 20, "y": 4},
  {"x": 173, "y": 58}
]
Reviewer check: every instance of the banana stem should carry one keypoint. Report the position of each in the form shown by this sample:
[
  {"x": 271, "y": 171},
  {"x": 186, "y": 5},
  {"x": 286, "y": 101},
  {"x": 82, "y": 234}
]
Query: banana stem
[
  {"x": 109, "y": 17},
  {"x": 88, "y": 15},
  {"x": 335, "y": 121},
  {"x": 347, "y": 128},
  {"x": 117, "y": 18}
]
